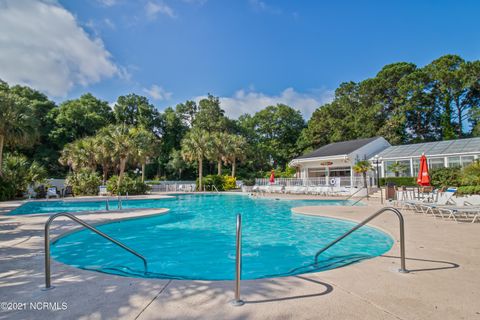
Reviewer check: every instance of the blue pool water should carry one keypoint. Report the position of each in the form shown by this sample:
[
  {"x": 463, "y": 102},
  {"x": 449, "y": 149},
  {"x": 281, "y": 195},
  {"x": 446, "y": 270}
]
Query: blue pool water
[{"x": 196, "y": 240}]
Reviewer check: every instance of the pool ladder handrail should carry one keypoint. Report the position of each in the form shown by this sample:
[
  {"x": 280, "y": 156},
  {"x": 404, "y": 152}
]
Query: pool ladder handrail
[
  {"x": 350, "y": 196},
  {"x": 360, "y": 199},
  {"x": 237, "y": 301},
  {"x": 119, "y": 201},
  {"x": 48, "y": 284},
  {"x": 402, "y": 269}
]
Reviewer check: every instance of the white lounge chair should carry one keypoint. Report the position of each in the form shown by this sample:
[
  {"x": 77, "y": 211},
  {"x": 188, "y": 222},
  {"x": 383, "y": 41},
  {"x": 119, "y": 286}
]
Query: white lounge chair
[
  {"x": 316, "y": 190},
  {"x": 463, "y": 212},
  {"x": 442, "y": 199},
  {"x": 52, "y": 192},
  {"x": 439, "y": 198},
  {"x": 31, "y": 192},
  {"x": 102, "y": 191}
]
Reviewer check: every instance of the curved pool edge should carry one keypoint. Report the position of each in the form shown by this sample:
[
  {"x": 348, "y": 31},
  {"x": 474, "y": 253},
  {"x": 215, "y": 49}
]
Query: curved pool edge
[
  {"x": 297, "y": 210},
  {"x": 138, "y": 213},
  {"x": 20, "y": 203}
]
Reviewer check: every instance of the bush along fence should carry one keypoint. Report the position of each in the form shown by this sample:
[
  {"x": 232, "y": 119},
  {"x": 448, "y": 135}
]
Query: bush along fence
[
  {"x": 221, "y": 183},
  {"x": 467, "y": 179}
]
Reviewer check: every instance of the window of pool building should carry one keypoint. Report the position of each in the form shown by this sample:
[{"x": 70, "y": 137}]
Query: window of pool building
[{"x": 440, "y": 154}]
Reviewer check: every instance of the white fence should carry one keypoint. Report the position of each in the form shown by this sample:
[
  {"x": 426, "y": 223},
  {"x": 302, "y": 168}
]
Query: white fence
[
  {"x": 317, "y": 182},
  {"x": 171, "y": 186}
]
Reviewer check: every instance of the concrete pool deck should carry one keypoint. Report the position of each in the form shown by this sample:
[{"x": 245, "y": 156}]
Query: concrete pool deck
[{"x": 443, "y": 257}]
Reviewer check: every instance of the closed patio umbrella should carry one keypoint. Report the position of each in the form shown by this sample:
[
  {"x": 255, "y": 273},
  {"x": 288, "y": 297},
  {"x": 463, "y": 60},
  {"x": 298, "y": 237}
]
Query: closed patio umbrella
[
  {"x": 423, "y": 177},
  {"x": 272, "y": 177}
]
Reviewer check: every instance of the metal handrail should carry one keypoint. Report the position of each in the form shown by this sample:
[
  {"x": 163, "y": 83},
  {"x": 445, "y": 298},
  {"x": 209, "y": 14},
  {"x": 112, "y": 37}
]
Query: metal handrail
[
  {"x": 350, "y": 196},
  {"x": 215, "y": 187},
  {"x": 119, "y": 201},
  {"x": 237, "y": 301},
  {"x": 48, "y": 284},
  {"x": 367, "y": 196},
  {"x": 364, "y": 222},
  {"x": 359, "y": 200}
]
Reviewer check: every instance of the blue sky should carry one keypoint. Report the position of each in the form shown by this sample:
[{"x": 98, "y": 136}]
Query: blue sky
[{"x": 249, "y": 52}]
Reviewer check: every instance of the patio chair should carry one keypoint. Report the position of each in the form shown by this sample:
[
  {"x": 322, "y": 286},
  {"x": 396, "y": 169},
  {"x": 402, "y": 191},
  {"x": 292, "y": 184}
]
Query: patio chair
[
  {"x": 315, "y": 190},
  {"x": 31, "y": 192},
  {"x": 442, "y": 199},
  {"x": 41, "y": 192},
  {"x": 276, "y": 189},
  {"x": 68, "y": 191},
  {"x": 466, "y": 212},
  {"x": 102, "y": 191},
  {"x": 302, "y": 190},
  {"x": 52, "y": 192},
  {"x": 344, "y": 191},
  {"x": 402, "y": 194}
]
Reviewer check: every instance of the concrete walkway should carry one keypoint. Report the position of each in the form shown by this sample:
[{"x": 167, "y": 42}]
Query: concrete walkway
[{"x": 443, "y": 256}]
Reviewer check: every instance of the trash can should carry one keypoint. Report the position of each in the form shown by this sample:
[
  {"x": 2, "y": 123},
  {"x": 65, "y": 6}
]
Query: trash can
[{"x": 390, "y": 193}]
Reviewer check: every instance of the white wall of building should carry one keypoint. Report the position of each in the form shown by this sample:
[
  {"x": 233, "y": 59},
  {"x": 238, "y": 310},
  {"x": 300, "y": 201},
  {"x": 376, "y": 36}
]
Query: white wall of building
[{"x": 347, "y": 160}]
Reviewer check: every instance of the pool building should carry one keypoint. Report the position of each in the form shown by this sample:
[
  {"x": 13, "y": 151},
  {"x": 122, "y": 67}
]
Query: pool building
[{"x": 333, "y": 163}]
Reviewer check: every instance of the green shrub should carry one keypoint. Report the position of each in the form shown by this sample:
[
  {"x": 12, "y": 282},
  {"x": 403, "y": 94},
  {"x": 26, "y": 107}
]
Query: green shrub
[
  {"x": 471, "y": 174},
  {"x": 130, "y": 185},
  {"x": 445, "y": 177},
  {"x": 229, "y": 183},
  {"x": 18, "y": 174},
  {"x": 84, "y": 182},
  {"x": 399, "y": 181},
  {"x": 212, "y": 180},
  {"x": 222, "y": 183},
  {"x": 468, "y": 190},
  {"x": 249, "y": 182},
  {"x": 7, "y": 189}
]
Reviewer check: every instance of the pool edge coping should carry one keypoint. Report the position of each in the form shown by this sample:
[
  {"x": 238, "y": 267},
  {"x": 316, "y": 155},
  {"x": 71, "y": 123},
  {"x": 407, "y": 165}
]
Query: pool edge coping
[
  {"x": 163, "y": 211},
  {"x": 326, "y": 215}
]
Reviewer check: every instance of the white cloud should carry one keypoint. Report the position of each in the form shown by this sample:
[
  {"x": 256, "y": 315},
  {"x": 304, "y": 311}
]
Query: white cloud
[
  {"x": 197, "y": 2},
  {"x": 109, "y": 23},
  {"x": 262, "y": 6},
  {"x": 42, "y": 45},
  {"x": 251, "y": 101},
  {"x": 158, "y": 93},
  {"x": 107, "y": 3},
  {"x": 152, "y": 9}
]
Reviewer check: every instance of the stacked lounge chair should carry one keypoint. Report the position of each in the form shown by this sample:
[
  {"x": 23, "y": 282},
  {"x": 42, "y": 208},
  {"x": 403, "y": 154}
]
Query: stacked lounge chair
[{"x": 445, "y": 207}]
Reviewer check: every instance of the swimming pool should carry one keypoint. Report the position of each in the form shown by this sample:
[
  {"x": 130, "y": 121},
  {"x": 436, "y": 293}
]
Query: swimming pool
[{"x": 196, "y": 240}]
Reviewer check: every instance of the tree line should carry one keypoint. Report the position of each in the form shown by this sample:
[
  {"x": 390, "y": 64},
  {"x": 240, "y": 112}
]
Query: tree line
[{"x": 403, "y": 103}]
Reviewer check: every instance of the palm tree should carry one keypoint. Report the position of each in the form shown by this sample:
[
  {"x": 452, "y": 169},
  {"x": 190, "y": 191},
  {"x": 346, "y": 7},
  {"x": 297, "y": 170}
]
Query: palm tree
[
  {"x": 196, "y": 147},
  {"x": 80, "y": 154},
  {"x": 67, "y": 156},
  {"x": 17, "y": 124},
  {"x": 123, "y": 142},
  {"x": 104, "y": 153},
  {"x": 363, "y": 167},
  {"x": 176, "y": 163},
  {"x": 145, "y": 142},
  {"x": 235, "y": 151},
  {"x": 217, "y": 150},
  {"x": 397, "y": 168},
  {"x": 88, "y": 150}
]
